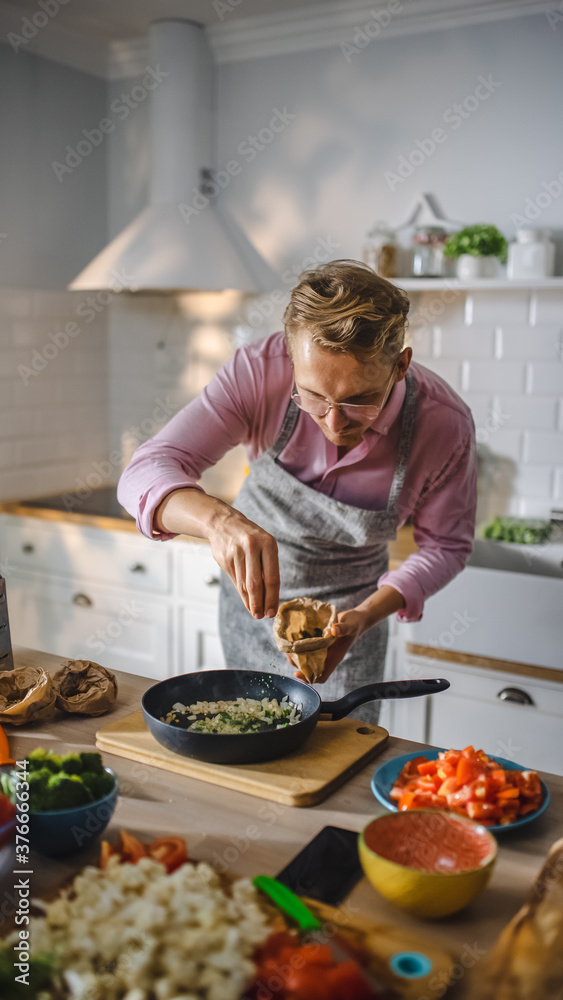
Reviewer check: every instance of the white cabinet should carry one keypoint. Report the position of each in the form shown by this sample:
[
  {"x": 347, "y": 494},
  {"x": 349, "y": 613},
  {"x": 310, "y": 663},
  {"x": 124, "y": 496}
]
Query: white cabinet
[
  {"x": 197, "y": 585},
  {"x": 508, "y": 715},
  {"x": 81, "y": 620},
  {"x": 112, "y": 596}
]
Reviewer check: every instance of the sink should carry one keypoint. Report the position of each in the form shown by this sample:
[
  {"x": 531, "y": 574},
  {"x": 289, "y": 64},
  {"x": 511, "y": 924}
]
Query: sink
[{"x": 536, "y": 560}]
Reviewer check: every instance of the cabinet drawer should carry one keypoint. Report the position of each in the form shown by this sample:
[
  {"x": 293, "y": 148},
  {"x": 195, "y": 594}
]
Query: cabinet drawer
[
  {"x": 69, "y": 550},
  {"x": 198, "y": 574},
  {"x": 121, "y": 630},
  {"x": 488, "y": 685},
  {"x": 472, "y": 712},
  {"x": 200, "y": 645}
]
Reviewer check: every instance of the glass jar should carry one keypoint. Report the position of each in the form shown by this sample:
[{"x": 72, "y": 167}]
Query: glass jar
[
  {"x": 532, "y": 255},
  {"x": 380, "y": 250},
  {"x": 428, "y": 251}
]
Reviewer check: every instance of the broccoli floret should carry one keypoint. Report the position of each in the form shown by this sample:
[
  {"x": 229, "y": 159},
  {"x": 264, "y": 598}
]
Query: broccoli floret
[
  {"x": 67, "y": 791},
  {"x": 98, "y": 784},
  {"x": 40, "y": 798},
  {"x": 42, "y": 758},
  {"x": 41, "y": 972},
  {"x": 72, "y": 763},
  {"x": 92, "y": 762}
]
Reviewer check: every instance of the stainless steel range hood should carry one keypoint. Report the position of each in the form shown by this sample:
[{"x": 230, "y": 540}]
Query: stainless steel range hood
[{"x": 181, "y": 240}]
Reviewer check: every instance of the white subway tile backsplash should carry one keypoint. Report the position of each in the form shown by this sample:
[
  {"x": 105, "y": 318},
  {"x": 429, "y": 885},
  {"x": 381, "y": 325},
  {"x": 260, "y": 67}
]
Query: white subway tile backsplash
[
  {"x": 466, "y": 342},
  {"x": 505, "y": 443},
  {"x": 57, "y": 423},
  {"x": 6, "y": 454},
  {"x": 420, "y": 339},
  {"x": 496, "y": 376},
  {"x": 498, "y": 307},
  {"x": 17, "y": 423},
  {"x": 6, "y": 396},
  {"x": 38, "y": 391},
  {"x": 36, "y": 451},
  {"x": 533, "y": 482},
  {"x": 447, "y": 369},
  {"x": 546, "y": 379},
  {"x": 527, "y": 412},
  {"x": 444, "y": 306},
  {"x": 547, "y": 306},
  {"x": 534, "y": 508},
  {"x": 529, "y": 343},
  {"x": 544, "y": 446},
  {"x": 15, "y": 304},
  {"x": 481, "y": 407}
]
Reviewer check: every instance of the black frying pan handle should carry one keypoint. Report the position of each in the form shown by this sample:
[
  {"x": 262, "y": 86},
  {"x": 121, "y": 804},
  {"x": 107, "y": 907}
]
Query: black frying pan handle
[{"x": 382, "y": 690}]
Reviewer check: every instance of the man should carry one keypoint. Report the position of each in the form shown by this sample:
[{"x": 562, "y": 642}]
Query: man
[{"x": 346, "y": 440}]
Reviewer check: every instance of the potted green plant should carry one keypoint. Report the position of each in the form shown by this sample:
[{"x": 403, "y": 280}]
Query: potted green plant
[{"x": 478, "y": 250}]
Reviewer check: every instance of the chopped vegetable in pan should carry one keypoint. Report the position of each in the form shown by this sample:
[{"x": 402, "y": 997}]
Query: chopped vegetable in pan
[{"x": 243, "y": 715}]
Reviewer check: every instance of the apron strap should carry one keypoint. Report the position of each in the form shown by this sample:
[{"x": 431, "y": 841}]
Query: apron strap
[
  {"x": 288, "y": 426},
  {"x": 405, "y": 443}
]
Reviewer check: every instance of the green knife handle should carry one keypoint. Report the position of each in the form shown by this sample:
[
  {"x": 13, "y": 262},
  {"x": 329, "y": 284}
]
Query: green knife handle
[{"x": 288, "y": 902}]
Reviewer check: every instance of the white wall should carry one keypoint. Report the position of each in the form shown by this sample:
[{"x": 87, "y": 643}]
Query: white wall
[
  {"x": 321, "y": 183},
  {"x": 325, "y": 173},
  {"x": 53, "y": 384},
  {"x": 53, "y": 227}
]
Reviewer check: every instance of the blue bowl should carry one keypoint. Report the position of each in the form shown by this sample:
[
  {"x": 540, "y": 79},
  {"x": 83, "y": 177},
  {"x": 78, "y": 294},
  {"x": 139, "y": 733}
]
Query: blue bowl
[
  {"x": 66, "y": 831},
  {"x": 7, "y": 845},
  {"x": 384, "y": 778}
]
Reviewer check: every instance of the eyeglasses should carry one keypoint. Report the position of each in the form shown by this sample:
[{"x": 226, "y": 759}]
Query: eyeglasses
[{"x": 353, "y": 411}]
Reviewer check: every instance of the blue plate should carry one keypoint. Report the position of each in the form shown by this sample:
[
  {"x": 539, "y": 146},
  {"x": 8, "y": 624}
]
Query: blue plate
[{"x": 385, "y": 776}]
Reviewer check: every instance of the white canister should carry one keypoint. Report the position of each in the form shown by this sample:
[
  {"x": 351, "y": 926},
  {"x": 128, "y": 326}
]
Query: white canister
[{"x": 532, "y": 255}]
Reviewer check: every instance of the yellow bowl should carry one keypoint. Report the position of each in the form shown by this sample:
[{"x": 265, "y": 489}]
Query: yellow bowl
[{"x": 429, "y": 862}]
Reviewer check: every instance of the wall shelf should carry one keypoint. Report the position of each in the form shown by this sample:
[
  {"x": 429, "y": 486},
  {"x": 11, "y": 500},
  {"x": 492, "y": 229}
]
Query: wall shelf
[{"x": 477, "y": 284}]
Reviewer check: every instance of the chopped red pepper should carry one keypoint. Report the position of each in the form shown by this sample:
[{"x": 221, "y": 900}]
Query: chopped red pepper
[{"x": 469, "y": 783}]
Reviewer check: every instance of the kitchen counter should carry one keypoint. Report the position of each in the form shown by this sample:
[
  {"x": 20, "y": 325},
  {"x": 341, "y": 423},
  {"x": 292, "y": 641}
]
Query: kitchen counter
[
  {"x": 101, "y": 509},
  {"x": 154, "y": 802}
]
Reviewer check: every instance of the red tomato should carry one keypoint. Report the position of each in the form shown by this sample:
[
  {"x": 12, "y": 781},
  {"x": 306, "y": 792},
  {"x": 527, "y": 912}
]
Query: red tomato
[
  {"x": 482, "y": 810},
  {"x": 346, "y": 982},
  {"x": 316, "y": 954},
  {"x": 448, "y": 787},
  {"x": 467, "y": 770},
  {"x": 131, "y": 848},
  {"x": 7, "y": 809},
  {"x": 429, "y": 767},
  {"x": 170, "y": 851},
  {"x": 309, "y": 983},
  {"x": 406, "y": 800}
]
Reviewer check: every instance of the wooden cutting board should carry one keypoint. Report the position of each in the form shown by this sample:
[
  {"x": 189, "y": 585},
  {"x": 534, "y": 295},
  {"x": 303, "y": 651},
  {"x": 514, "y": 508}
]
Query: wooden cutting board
[
  {"x": 332, "y": 754},
  {"x": 409, "y": 963}
]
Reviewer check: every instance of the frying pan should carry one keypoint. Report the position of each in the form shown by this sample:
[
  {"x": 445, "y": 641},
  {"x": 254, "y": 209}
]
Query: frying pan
[{"x": 253, "y": 748}]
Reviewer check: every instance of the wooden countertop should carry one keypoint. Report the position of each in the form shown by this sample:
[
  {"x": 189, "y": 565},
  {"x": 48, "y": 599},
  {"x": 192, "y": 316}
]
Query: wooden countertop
[
  {"x": 154, "y": 803},
  {"x": 399, "y": 550}
]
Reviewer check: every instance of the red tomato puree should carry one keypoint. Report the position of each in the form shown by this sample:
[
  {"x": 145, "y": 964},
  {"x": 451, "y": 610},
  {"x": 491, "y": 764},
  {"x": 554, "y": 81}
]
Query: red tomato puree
[{"x": 430, "y": 841}]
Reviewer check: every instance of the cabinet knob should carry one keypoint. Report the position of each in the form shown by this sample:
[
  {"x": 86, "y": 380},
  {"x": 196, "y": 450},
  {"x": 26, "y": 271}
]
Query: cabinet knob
[
  {"x": 82, "y": 600},
  {"x": 138, "y": 568},
  {"x": 28, "y": 548},
  {"x": 212, "y": 581},
  {"x": 516, "y": 695}
]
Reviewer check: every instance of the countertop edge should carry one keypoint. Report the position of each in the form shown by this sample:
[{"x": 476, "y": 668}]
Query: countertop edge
[{"x": 399, "y": 550}]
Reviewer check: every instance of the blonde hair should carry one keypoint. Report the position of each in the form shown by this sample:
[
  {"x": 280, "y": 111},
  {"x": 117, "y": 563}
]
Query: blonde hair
[{"x": 347, "y": 307}]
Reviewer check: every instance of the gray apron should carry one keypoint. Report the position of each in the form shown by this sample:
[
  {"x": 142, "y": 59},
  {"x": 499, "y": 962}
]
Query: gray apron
[{"x": 327, "y": 550}]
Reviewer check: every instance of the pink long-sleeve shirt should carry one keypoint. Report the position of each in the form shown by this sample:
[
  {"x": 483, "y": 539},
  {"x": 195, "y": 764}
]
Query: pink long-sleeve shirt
[{"x": 245, "y": 404}]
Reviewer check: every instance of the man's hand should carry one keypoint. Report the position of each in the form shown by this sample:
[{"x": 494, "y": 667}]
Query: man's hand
[
  {"x": 349, "y": 626},
  {"x": 249, "y": 555},
  {"x": 353, "y": 623}
]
